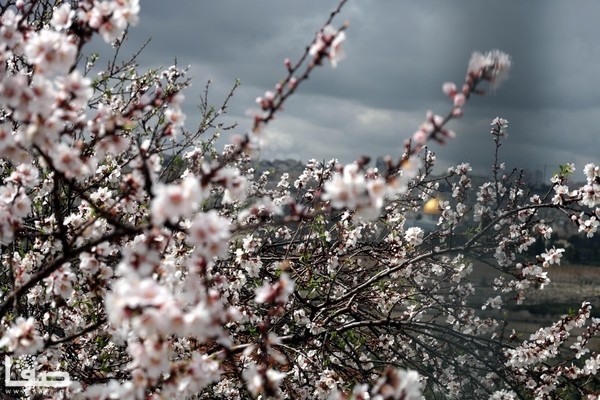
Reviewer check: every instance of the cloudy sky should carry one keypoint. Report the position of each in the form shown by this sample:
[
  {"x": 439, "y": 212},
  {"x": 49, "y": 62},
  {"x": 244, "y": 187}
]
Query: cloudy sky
[{"x": 398, "y": 54}]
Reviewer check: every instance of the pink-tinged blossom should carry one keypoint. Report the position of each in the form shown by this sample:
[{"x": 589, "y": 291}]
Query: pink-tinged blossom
[
  {"x": 22, "y": 337},
  {"x": 420, "y": 137},
  {"x": 336, "y": 52},
  {"x": 112, "y": 144},
  {"x": 151, "y": 355},
  {"x": 75, "y": 89},
  {"x": 13, "y": 91},
  {"x": 260, "y": 379},
  {"x": 176, "y": 201},
  {"x": 409, "y": 170},
  {"x": 7, "y": 140},
  {"x": 492, "y": 66},
  {"x": 552, "y": 256},
  {"x": 414, "y": 236},
  {"x": 61, "y": 281},
  {"x": 328, "y": 43},
  {"x": 7, "y": 229},
  {"x": 431, "y": 129},
  {"x": 236, "y": 185},
  {"x": 459, "y": 100},
  {"x": 503, "y": 395},
  {"x": 377, "y": 190},
  {"x": 346, "y": 189},
  {"x": 168, "y": 204},
  {"x": 449, "y": 89},
  {"x": 206, "y": 320},
  {"x": 263, "y": 207},
  {"x": 62, "y": 16},
  {"x": 592, "y": 365},
  {"x": 89, "y": 264},
  {"x": 173, "y": 114},
  {"x": 142, "y": 256},
  {"x": 200, "y": 372},
  {"x": 397, "y": 384},
  {"x": 277, "y": 292},
  {"x": 167, "y": 319},
  {"x": 588, "y": 226},
  {"x": 114, "y": 389},
  {"x": 499, "y": 127},
  {"x": 134, "y": 302},
  {"x": 254, "y": 380},
  {"x": 128, "y": 10},
  {"x": 590, "y": 195},
  {"x": 592, "y": 172},
  {"x": 105, "y": 122},
  {"x": 25, "y": 174},
  {"x": 39, "y": 99},
  {"x": 66, "y": 159},
  {"x": 111, "y": 18},
  {"x": 457, "y": 112},
  {"x": 266, "y": 102},
  {"x": 500, "y": 123},
  {"x": 251, "y": 243},
  {"x": 16, "y": 200},
  {"x": 102, "y": 195},
  {"x": 9, "y": 30},
  {"x": 493, "y": 302},
  {"x": 320, "y": 44},
  {"x": 544, "y": 230},
  {"x": 350, "y": 189},
  {"x": 14, "y": 205},
  {"x": 209, "y": 234},
  {"x": 544, "y": 344},
  {"x": 51, "y": 52}
]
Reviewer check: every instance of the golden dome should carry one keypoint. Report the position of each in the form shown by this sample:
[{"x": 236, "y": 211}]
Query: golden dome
[{"x": 431, "y": 206}]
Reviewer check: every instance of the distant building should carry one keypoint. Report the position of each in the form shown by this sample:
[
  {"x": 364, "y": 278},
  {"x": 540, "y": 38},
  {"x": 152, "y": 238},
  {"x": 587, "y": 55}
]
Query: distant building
[{"x": 427, "y": 218}]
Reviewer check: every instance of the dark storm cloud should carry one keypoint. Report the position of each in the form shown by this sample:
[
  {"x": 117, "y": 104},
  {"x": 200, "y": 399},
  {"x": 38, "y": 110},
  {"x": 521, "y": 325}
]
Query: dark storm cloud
[{"x": 398, "y": 55}]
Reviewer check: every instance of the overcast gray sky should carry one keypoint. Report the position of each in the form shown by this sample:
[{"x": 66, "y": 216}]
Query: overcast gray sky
[{"x": 398, "y": 54}]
